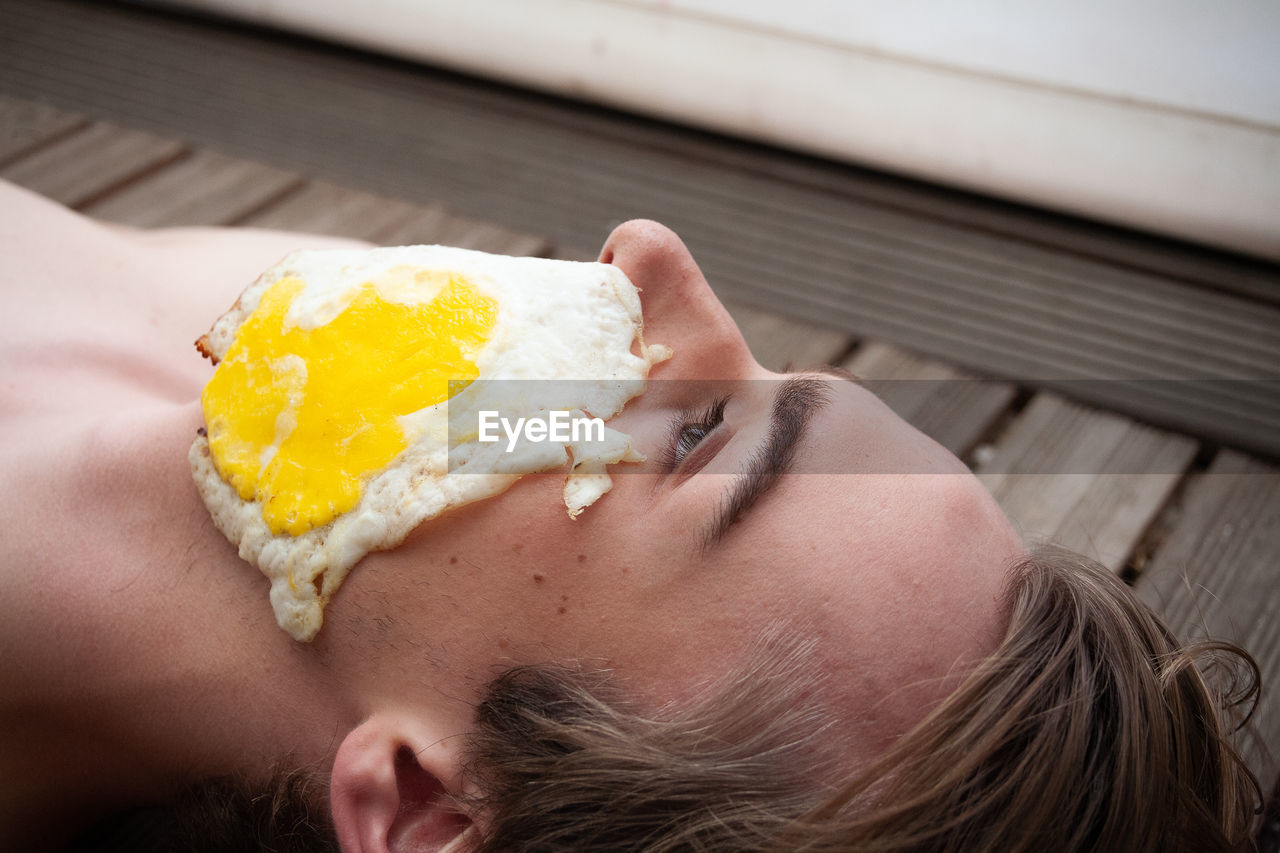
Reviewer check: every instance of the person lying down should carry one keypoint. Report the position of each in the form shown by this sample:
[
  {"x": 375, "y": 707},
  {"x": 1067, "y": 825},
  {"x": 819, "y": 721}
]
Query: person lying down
[{"x": 348, "y": 576}]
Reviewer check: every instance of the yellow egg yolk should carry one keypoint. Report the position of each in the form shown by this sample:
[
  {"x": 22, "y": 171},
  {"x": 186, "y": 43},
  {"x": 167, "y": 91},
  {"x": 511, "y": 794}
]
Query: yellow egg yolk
[{"x": 297, "y": 417}]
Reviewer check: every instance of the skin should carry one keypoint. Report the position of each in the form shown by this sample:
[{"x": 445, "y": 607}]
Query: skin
[{"x": 134, "y": 625}]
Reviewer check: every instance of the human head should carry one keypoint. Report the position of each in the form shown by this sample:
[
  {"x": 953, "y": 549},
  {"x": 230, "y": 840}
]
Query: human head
[
  {"x": 877, "y": 545},
  {"x": 1090, "y": 727},
  {"x": 881, "y": 592}
]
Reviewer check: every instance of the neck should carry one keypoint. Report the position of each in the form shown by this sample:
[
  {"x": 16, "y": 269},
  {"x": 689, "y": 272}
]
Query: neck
[{"x": 147, "y": 655}]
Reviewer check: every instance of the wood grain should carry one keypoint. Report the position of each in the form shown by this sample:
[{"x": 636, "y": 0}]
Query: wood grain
[
  {"x": 206, "y": 188},
  {"x": 323, "y": 207},
  {"x": 1218, "y": 575},
  {"x": 781, "y": 343},
  {"x": 97, "y": 159},
  {"x": 26, "y": 125},
  {"x": 949, "y": 276},
  {"x": 436, "y": 225},
  {"x": 1089, "y": 480},
  {"x": 952, "y": 407}
]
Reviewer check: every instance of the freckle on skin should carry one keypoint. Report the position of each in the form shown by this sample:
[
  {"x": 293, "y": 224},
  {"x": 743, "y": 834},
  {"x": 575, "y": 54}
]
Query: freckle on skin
[
  {"x": 537, "y": 578},
  {"x": 582, "y": 558},
  {"x": 453, "y": 561},
  {"x": 560, "y": 610},
  {"x": 504, "y": 643}
]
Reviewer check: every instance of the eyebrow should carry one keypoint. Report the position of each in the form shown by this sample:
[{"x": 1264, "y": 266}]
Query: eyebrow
[{"x": 795, "y": 403}]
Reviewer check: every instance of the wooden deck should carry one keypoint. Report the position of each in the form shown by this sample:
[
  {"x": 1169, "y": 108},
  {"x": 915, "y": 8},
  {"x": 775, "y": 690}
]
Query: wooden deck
[
  {"x": 987, "y": 326},
  {"x": 1001, "y": 290}
]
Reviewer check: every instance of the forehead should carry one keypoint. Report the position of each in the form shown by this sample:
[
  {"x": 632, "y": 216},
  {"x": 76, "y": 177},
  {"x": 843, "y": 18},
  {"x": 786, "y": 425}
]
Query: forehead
[
  {"x": 880, "y": 542},
  {"x": 880, "y": 504}
]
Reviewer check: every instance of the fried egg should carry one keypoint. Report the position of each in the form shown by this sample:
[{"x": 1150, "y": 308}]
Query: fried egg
[{"x": 348, "y": 403}]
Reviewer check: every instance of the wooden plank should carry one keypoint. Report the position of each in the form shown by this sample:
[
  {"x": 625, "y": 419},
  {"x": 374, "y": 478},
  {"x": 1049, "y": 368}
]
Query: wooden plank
[
  {"x": 954, "y": 408},
  {"x": 206, "y": 188},
  {"x": 1117, "y": 247},
  {"x": 322, "y": 207},
  {"x": 1217, "y": 575},
  {"x": 1092, "y": 481},
  {"x": 436, "y": 225},
  {"x": 777, "y": 342},
  {"x": 81, "y": 167},
  {"x": 781, "y": 344},
  {"x": 563, "y": 252},
  {"x": 26, "y": 125}
]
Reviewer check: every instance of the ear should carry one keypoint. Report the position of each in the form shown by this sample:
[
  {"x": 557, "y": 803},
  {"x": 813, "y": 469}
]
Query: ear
[{"x": 391, "y": 786}]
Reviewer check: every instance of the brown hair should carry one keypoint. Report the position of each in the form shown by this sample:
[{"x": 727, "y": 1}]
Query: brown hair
[
  {"x": 1090, "y": 728},
  {"x": 564, "y": 761}
]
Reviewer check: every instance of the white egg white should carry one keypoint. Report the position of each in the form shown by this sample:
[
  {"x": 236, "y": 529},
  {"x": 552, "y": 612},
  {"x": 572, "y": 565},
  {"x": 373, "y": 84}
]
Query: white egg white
[{"x": 577, "y": 323}]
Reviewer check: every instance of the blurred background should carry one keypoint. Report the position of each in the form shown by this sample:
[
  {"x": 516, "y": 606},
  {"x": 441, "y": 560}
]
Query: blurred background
[
  {"x": 1060, "y": 195},
  {"x": 1158, "y": 114}
]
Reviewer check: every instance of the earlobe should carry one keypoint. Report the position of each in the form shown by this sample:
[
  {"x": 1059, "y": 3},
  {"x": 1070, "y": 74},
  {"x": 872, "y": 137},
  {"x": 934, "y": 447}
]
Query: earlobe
[{"x": 393, "y": 790}]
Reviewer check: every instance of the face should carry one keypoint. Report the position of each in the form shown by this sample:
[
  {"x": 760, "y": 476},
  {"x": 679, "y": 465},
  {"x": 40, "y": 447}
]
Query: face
[{"x": 875, "y": 541}]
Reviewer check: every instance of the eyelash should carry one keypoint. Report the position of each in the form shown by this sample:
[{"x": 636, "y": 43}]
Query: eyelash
[{"x": 679, "y": 441}]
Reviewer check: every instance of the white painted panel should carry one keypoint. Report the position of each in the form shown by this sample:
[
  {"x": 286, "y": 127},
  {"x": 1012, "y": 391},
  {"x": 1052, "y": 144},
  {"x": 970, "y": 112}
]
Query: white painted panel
[
  {"x": 1221, "y": 58},
  {"x": 1116, "y": 111}
]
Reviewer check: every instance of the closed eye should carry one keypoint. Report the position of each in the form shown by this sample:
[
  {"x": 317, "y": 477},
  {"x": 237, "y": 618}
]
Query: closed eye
[{"x": 688, "y": 430}]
